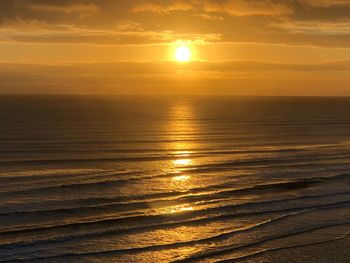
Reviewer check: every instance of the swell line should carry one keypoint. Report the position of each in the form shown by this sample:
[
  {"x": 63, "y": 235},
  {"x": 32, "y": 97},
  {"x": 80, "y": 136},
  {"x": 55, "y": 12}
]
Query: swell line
[
  {"x": 264, "y": 251},
  {"x": 178, "y": 244},
  {"x": 276, "y": 237},
  {"x": 293, "y": 211},
  {"x": 183, "y": 244}
]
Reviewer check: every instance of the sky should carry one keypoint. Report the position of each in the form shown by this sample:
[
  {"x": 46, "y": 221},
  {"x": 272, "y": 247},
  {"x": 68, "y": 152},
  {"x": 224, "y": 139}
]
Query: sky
[{"x": 238, "y": 47}]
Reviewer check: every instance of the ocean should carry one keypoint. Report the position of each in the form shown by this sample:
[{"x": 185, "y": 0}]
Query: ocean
[{"x": 174, "y": 179}]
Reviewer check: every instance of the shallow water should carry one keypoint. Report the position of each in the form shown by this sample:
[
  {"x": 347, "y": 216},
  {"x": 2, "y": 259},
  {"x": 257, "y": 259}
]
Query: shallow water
[{"x": 154, "y": 179}]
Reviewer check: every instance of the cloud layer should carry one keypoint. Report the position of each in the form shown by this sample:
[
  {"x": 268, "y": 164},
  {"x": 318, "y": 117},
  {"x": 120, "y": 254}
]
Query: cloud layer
[
  {"x": 290, "y": 22},
  {"x": 284, "y": 46},
  {"x": 230, "y": 77}
]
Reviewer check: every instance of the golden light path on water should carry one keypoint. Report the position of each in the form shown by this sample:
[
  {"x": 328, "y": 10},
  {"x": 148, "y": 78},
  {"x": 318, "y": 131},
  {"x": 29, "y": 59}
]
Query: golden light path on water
[
  {"x": 180, "y": 127},
  {"x": 181, "y": 178},
  {"x": 182, "y": 162}
]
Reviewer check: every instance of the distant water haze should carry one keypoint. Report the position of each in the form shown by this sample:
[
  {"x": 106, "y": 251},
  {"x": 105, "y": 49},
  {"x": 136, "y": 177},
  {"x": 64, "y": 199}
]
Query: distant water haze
[{"x": 163, "y": 179}]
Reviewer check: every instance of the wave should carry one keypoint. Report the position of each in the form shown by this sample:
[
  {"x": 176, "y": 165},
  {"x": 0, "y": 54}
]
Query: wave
[
  {"x": 263, "y": 251},
  {"x": 168, "y": 225},
  {"x": 215, "y": 192},
  {"x": 154, "y": 221},
  {"x": 197, "y": 242},
  {"x": 294, "y": 233},
  {"x": 147, "y": 158},
  {"x": 149, "y": 228}
]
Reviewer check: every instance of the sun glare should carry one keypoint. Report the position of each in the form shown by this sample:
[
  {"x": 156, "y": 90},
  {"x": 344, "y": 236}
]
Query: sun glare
[
  {"x": 183, "y": 54},
  {"x": 182, "y": 162}
]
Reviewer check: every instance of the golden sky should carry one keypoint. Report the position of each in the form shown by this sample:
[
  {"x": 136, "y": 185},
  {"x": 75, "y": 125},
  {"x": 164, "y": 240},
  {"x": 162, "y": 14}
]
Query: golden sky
[{"x": 238, "y": 47}]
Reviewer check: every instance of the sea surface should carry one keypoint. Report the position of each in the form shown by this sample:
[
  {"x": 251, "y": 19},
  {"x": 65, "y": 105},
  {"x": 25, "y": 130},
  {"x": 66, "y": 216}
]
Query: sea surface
[{"x": 174, "y": 179}]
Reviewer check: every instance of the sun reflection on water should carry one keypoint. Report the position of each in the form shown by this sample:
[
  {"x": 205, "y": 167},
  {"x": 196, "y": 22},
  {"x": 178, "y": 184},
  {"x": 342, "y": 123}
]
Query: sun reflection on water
[
  {"x": 179, "y": 208},
  {"x": 181, "y": 178},
  {"x": 181, "y": 153},
  {"x": 180, "y": 128},
  {"x": 181, "y": 183},
  {"x": 182, "y": 162}
]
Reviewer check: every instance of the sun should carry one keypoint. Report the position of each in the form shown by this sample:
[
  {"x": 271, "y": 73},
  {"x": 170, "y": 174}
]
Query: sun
[{"x": 183, "y": 54}]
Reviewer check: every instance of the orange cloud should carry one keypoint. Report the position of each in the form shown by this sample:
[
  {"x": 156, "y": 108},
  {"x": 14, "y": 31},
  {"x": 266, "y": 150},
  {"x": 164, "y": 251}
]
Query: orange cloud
[
  {"x": 149, "y": 6},
  {"x": 315, "y": 27},
  {"x": 247, "y": 8},
  {"x": 230, "y": 77},
  {"x": 88, "y": 8},
  {"x": 210, "y": 17},
  {"x": 325, "y": 3}
]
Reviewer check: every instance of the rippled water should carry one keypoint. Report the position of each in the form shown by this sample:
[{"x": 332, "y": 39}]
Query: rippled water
[{"x": 148, "y": 179}]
